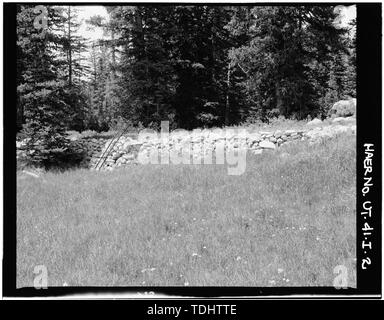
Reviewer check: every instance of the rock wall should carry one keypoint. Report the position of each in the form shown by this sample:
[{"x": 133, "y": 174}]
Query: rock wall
[{"x": 198, "y": 145}]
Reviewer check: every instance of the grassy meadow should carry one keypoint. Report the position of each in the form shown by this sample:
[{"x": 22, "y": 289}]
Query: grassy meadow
[{"x": 287, "y": 221}]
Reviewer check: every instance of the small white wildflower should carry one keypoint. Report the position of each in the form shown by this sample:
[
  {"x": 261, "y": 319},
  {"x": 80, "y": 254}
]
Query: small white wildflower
[
  {"x": 186, "y": 283},
  {"x": 65, "y": 284},
  {"x": 238, "y": 258},
  {"x": 280, "y": 270}
]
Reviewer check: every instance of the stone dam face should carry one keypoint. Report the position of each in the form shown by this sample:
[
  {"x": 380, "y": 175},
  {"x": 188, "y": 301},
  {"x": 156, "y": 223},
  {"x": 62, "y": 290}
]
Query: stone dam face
[
  {"x": 198, "y": 146},
  {"x": 194, "y": 147}
]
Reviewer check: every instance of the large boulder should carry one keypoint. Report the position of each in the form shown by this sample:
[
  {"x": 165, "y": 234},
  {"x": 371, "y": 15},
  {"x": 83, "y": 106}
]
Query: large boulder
[
  {"x": 344, "y": 108},
  {"x": 267, "y": 145},
  {"x": 314, "y": 122}
]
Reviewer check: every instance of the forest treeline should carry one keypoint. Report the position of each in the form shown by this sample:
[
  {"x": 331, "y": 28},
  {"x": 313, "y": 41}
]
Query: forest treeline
[{"x": 196, "y": 66}]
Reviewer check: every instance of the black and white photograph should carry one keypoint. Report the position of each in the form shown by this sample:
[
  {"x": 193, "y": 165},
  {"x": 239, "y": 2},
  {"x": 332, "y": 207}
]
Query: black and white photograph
[{"x": 188, "y": 145}]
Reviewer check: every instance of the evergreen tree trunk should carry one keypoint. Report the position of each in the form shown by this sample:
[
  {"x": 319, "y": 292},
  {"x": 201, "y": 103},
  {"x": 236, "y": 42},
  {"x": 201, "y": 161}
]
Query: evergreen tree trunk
[
  {"x": 279, "y": 100},
  {"x": 227, "y": 103},
  {"x": 69, "y": 49},
  {"x": 113, "y": 51}
]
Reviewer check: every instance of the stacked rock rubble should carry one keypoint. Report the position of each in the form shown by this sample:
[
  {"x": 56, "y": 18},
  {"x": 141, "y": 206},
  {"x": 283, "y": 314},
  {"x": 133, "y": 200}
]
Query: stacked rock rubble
[{"x": 200, "y": 144}]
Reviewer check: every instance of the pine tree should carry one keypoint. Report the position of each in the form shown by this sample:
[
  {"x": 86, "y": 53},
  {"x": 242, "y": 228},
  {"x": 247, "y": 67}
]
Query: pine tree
[
  {"x": 104, "y": 83},
  {"x": 74, "y": 70},
  {"x": 41, "y": 93},
  {"x": 287, "y": 49}
]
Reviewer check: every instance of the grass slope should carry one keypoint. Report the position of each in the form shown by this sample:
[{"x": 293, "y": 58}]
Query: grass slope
[{"x": 287, "y": 221}]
